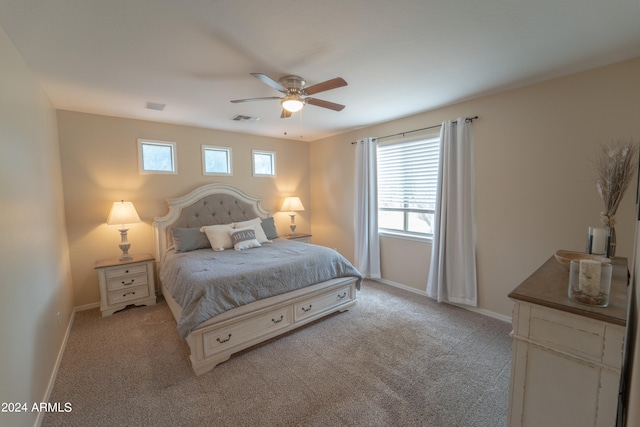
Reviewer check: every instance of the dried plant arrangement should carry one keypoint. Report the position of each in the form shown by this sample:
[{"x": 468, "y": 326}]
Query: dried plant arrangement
[{"x": 614, "y": 169}]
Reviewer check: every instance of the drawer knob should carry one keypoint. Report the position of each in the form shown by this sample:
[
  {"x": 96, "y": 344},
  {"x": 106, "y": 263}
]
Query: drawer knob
[
  {"x": 222, "y": 341},
  {"x": 343, "y": 295},
  {"x": 279, "y": 320},
  {"x": 306, "y": 309},
  {"x": 129, "y": 293},
  {"x": 128, "y": 283},
  {"x": 126, "y": 271}
]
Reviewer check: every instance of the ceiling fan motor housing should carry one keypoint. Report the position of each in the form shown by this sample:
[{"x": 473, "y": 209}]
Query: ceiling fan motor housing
[{"x": 294, "y": 84}]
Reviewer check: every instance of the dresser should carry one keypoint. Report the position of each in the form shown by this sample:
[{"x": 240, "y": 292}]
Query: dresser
[
  {"x": 124, "y": 283},
  {"x": 566, "y": 356}
]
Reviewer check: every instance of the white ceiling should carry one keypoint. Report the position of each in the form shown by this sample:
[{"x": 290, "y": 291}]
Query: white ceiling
[{"x": 399, "y": 58}]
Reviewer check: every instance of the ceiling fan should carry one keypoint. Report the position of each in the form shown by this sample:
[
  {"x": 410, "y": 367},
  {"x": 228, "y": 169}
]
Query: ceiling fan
[{"x": 296, "y": 94}]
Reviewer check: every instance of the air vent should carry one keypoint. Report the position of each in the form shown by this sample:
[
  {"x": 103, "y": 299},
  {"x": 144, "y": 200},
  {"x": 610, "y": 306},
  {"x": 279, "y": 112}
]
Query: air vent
[
  {"x": 155, "y": 106},
  {"x": 241, "y": 118}
]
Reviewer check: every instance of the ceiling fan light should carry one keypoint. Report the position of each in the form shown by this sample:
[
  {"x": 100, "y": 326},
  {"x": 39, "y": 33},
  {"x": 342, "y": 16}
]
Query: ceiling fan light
[{"x": 292, "y": 103}]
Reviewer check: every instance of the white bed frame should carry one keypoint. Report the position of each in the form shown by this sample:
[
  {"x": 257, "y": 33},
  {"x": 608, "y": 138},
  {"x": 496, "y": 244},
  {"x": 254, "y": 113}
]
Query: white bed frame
[{"x": 214, "y": 341}]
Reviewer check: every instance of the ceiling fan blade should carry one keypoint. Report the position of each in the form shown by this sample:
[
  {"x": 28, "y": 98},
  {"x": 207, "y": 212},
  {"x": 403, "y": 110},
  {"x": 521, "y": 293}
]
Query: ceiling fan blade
[
  {"x": 285, "y": 114},
  {"x": 270, "y": 82},
  {"x": 255, "y": 99},
  {"x": 324, "y": 104},
  {"x": 328, "y": 85}
]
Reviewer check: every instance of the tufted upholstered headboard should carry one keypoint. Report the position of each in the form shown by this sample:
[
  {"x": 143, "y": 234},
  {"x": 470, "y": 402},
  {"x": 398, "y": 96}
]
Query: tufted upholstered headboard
[{"x": 207, "y": 205}]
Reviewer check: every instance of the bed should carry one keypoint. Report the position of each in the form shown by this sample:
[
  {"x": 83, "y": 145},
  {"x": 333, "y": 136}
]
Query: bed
[{"x": 228, "y": 300}]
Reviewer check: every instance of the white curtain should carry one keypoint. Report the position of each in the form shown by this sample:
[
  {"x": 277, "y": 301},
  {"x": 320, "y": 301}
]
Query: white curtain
[
  {"x": 452, "y": 275},
  {"x": 367, "y": 250}
]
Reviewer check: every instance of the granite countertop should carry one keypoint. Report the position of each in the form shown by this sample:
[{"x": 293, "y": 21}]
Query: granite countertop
[{"x": 548, "y": 287}]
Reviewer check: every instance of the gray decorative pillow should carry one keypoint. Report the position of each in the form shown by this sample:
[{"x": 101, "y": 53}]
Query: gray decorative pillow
[
  {"x": 244, "y": 238},
  {"x": 189, "y": 239},
  {"x": 257, "y": 227},
  {"x": 269, "y": 227}
]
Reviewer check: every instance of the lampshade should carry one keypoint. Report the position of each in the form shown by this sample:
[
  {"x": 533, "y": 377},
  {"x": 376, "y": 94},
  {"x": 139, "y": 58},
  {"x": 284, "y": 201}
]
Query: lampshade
[
  {"x": 292, "y": 103},
  {"x": 123, "y": 213},
  {"x": 292, "y": 204}
]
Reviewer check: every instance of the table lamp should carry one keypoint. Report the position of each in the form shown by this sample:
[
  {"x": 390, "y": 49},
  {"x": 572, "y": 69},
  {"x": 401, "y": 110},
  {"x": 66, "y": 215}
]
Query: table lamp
[
  {"x": 123, "y": 213},
  {"x": 292, "y": 204}
]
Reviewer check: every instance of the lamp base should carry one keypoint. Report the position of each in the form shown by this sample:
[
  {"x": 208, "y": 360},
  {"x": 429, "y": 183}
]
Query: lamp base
[
  {"x": 293, "y": 225},
  {"x": 125, "y": 257},
  {"x": 124, "y": 245}
]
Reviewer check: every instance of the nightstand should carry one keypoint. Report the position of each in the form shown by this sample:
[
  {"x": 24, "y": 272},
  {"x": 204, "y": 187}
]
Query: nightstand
[
  {"x": 300, "y": 237},
  {"x": 123, "y": 283}
]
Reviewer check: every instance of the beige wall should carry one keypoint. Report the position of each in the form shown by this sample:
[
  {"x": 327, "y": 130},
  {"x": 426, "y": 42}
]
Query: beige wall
[
  {"x": 100, "y": 166},
  {"x": 534, "y": 181},
  {"x": 534, "y": 185},
  {"x": 35, "y": 293}
]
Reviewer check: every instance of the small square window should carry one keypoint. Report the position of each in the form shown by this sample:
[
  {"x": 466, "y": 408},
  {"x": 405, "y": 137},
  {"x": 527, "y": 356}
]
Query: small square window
[
  {"x": 216, "y": 160},
  {"x": 157, "y": 156},
  {"x": 264, "y": 163}
]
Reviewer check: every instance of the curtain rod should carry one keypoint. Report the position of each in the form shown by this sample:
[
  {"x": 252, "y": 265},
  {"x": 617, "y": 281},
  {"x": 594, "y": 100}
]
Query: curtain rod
[{"x": 466, "y": 120}]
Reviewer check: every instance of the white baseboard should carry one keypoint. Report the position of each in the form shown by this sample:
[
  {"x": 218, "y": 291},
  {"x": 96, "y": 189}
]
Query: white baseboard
[
  {"x": 54, "y": 374},
  {"x": 63, "y": 347},
  {"x": 86, "y": 306},
  {"x": 398, "y": 285},
  {"x": 487, "y": 313},
  {"x": 466, "y": 307}
]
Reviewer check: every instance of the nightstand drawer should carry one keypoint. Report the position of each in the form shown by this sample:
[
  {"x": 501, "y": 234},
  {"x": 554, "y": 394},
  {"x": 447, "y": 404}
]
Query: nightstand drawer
[
  {"x": 128, "y": 294},
  {"x": 126, "y": 281},
  {"x": 127, "y": 269}
]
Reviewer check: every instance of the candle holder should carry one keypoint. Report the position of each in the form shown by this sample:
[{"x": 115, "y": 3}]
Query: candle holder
[{"x": 590, "y": 282}]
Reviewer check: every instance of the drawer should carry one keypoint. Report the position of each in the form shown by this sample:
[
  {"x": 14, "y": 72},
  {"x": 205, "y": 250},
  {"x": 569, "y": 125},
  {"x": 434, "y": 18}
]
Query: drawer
[
  {"x": 323, "y": 302},
  {"x": 126, "y": 269},
  {"x": 127, "y": 294},
  {"x": 613, "y": 346},
  {"x": 253, "y": 326},
  {"x": 126, "y": 281},
  {"x": 575, "y": 335}
]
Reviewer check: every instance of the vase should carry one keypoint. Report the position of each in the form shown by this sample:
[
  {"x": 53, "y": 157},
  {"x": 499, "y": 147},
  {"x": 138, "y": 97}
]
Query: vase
[
  {"x": 609, "y": 221},
  {"x": 611, "y": 253}
]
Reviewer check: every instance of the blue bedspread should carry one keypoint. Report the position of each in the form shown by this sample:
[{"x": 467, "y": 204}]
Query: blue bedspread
[{"x": 206, "y": 283}]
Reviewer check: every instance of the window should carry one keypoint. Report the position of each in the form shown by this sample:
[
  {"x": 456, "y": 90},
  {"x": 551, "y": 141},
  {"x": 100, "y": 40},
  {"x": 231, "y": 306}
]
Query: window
[
  {"x": 157, "y": 156},
  {"x": 216, "y": 160},
  {"x": 407, "y": 175},
  {"x": 264, "y": 163}
]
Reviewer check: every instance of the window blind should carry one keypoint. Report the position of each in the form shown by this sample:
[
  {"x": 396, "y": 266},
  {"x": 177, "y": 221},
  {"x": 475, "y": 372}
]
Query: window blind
[{"x": 407, "y": 175}]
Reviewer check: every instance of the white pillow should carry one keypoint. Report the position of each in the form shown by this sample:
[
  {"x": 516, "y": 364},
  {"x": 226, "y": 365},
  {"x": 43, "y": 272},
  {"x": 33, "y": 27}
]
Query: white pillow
[
  {"x": 218, "y": 236},
  {"x": 244, "y": 238},
  {"x": 257, "y": 226}
]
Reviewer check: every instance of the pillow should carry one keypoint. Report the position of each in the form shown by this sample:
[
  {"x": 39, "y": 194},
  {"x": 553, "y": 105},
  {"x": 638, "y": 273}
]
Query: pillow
[
  {"x": 218, "y": 236},
  {"x": 269, "y": 228},
  {"x": 256, "y": 223},
  {"x": 244, "y": 238},
  {"x": 189, "y": 239}
]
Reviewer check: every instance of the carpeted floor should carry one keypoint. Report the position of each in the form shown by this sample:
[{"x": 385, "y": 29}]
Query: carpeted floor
[{"x": 395, "y": 359}]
